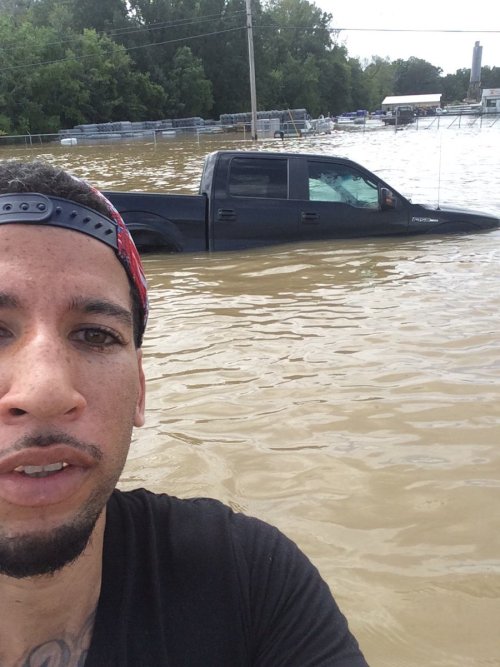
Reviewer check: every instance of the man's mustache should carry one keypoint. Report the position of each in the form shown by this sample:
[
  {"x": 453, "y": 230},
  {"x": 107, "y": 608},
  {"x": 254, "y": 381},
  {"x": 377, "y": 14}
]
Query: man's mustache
[{"x": 54, "y": 438}]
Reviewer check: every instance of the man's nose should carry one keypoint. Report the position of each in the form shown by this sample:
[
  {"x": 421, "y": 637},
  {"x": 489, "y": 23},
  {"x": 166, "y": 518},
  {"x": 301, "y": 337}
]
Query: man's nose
[{"x": 39, "y": 382}]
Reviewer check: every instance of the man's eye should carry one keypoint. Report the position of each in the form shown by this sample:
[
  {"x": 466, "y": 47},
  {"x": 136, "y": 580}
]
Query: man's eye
[{"x": 96, "y": 337}]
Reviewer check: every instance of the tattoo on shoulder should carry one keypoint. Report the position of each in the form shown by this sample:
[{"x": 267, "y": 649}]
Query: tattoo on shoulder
[{"x": 68, "y": 652}]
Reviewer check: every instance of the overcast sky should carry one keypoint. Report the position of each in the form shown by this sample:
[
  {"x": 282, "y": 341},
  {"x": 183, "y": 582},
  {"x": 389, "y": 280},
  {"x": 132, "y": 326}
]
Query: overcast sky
[{"x": 450, "y": 51}]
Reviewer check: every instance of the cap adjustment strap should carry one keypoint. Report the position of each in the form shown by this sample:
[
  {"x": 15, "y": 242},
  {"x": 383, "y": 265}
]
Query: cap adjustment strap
[{"x": 35, "y": 208}]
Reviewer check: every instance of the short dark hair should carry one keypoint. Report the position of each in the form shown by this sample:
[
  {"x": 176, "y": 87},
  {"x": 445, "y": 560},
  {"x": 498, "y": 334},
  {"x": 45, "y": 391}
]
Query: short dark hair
[{"x": 39, "y": 176}]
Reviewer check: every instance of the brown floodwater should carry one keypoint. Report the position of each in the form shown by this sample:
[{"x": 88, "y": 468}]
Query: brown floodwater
[{"x": 347, "y": 392}]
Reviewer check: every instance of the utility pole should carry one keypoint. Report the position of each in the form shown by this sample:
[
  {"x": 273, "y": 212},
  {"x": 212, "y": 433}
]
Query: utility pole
[{"x": 251, "y": 66}]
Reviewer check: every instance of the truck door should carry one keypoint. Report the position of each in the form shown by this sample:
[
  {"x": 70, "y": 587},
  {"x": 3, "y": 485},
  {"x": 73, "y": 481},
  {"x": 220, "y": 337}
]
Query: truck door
[
  {"x": 345, "y": 201},
  {"x": 251, "y": 207}
]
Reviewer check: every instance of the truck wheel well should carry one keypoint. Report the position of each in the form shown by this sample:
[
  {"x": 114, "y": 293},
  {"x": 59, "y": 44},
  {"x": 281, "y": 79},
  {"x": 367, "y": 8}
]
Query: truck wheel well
[
  {"x": 152, "y": 232},
  {"x": 148, "y": 240}
]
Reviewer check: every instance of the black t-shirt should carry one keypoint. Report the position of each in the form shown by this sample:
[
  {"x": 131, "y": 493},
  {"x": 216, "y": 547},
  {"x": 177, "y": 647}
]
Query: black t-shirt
[{"x": 189, "y": 583}]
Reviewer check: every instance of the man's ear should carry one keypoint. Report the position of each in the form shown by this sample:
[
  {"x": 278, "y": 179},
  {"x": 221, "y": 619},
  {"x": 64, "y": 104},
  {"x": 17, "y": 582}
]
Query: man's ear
[{"x": 141, "y": 396}]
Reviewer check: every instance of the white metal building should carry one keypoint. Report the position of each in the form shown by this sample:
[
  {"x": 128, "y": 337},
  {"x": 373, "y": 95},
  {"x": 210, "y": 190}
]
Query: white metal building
[
  {"x": 423, "y": 101},
  {"x": 490, "y": 100}
]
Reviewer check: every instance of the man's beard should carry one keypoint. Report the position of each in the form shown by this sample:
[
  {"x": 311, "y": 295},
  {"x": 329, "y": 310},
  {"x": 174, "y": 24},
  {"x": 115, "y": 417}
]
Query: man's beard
[{"x": 44, "y": 553}]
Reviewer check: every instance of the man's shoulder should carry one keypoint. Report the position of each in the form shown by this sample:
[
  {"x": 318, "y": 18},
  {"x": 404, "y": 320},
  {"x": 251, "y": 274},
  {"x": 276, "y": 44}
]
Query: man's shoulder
[
  {"x": 186, "y": 531},
  {"x": 195, "y": 533},
  {"x": 239, "y": 579},
  {"x": 142, "y": 503},
  {"x": 143, "y": 500},
  {"x": 193, "y": 528},
  {"x": 187, "y": 518}
]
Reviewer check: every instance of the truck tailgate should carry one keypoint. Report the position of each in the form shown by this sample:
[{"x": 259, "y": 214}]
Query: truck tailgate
[{"x": 181, "y": 215}]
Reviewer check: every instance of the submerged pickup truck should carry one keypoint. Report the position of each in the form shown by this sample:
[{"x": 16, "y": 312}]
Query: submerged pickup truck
[{"x": 250, "y": 199}]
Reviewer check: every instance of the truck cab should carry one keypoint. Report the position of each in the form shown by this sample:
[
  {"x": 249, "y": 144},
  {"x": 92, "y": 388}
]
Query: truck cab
[{"x": 295, "y": 197}]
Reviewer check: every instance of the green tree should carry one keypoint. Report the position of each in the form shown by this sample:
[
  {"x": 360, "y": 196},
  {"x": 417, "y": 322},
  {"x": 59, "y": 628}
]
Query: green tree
[
  {"x": 55, "y": 15},
  {"x": 454, "y": 86},
  {"x": 490, "y": 77},
  {"x": 296, "y": 83},
  {"x": 225, "y": 54},
  {"x": 300, "y": 29},
  {"x": 49, "y": 83},
  {"x": 379, "y": 81},
  {"x": 359, "y": 86},
  {"x": 296, "y": 50},
  {"x": 15, "y": 9},
  {"x": 102, "y": 15},
  {"x": 115, "y": 90},
  {"x": 335, "y": 82},
  {"x": 22, "y": 91},
  {"x": 416, "y": 77},
  {"x": 190, "y": 91},
  {"x": 160, "y": 28}
]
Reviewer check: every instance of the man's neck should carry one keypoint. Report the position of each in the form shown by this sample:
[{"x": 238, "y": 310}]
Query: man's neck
[{"x": 49, "y": 619}]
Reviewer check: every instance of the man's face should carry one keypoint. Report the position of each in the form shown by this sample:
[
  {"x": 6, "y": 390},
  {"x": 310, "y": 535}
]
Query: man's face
[{"x": 71, "y": 386}]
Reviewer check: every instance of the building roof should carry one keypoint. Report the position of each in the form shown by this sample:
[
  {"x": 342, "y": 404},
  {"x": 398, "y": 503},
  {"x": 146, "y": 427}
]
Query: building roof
[{"x": 434, "y": 98}]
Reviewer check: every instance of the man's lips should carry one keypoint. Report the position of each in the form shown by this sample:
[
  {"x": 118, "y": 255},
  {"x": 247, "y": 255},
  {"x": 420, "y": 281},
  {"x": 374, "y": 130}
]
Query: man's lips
[
  {"x": 40, "y": 476},
  {"x": 46, "y": 456}
]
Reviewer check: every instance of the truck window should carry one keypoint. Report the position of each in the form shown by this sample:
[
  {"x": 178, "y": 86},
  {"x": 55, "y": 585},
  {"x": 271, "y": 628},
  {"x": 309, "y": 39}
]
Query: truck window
[
  {"x": 340, "y": 183},
  {"x": 251, "y": 177}
]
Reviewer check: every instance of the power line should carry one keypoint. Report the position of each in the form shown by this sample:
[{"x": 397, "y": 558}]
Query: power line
[
  {"x": 76, "y": 58},
  {"x": 131, "y": 48},
  {"x": 180, "y": 23},
  {"x": 418, "y": 30},
  {"x": 163, "y": 25},
  {"x": 436, "y": 30},
  {"x": 171, "y": 24}
]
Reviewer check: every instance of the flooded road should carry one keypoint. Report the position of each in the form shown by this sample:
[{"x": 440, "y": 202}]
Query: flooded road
[{"x": 347, "y": 392}]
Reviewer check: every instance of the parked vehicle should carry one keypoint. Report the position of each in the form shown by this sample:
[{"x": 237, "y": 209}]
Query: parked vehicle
[
  {"x": 402, "y": 115},
  {"x": 300, "y": 128},
  {"x": 249, "y": 199}
]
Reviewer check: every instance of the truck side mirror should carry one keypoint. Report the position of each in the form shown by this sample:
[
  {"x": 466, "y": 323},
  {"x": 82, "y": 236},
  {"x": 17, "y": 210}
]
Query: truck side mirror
[{"x": 387, "y": 199}]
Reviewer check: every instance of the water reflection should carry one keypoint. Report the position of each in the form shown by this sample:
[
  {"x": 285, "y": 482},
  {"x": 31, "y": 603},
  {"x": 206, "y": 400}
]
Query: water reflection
[{"x": 345, "y": 391}]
